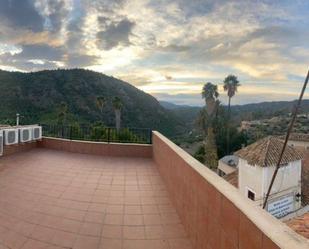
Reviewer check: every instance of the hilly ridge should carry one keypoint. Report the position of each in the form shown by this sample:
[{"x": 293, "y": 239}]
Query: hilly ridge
[{"x": 37, "y": 97}]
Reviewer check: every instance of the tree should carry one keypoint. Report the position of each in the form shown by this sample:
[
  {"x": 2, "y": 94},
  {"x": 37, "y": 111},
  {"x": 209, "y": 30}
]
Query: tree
[
  {"x": 62, "y": 113},
  {"x": 117, "y": 104},
  {"x": 231, "y": 84},
  {"x": 210, "y": 94},
  {"x": 211, "y": 154},
  {"x": 100, "y": 102}
]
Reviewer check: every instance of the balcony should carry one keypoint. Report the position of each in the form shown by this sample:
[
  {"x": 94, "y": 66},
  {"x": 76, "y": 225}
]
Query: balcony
[{"x": 60, "y": 193}]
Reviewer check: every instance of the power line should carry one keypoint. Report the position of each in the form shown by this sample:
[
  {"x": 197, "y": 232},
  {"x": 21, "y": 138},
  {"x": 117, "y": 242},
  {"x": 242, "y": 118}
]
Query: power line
[{"x": 287, "y": 138}]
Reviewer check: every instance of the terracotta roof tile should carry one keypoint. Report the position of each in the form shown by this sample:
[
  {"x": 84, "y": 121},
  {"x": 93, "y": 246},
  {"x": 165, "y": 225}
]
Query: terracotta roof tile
[
  {"x": 300, "y": 225},
  {"x": 266, "y": 152},
  {"x": 232, "y": 178}
]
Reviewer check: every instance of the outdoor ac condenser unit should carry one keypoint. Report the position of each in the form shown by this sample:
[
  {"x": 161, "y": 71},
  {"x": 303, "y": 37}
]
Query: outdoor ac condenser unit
[
  {"x": 36, "y": 132},
  {"x": 1, "y": 142},
  {"x": 25, "y": 134},
  {"x": 10, "y": 136}
]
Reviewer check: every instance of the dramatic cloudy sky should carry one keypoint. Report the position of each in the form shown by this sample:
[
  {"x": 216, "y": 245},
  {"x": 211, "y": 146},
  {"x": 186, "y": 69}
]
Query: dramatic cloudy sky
[{"x": 168, "y": 48}]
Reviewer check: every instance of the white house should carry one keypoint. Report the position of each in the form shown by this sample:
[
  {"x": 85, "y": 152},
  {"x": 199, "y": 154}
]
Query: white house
[
  {"x": 256, "y": 166},
  {"x": 227, "y": 165}
]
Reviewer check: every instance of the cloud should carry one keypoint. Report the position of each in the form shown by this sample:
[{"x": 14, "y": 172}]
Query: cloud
[
  {"x": 115, "y": 34},
  {"x": 80, "y": 60},
  {"x": 13, "y": 63},
  {"x": 40, "y": 52},
  {"x": 57, "y": 14},
  {"x": 163, "y": 46},
  {"x": 21, "y": 15}
]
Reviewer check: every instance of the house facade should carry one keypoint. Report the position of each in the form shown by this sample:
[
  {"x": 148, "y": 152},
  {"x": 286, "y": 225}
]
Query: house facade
[{"x": 256, "y": 166}]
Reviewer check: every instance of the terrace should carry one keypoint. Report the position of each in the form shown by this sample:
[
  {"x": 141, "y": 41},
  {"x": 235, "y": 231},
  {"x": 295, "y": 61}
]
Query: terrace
[{"x": 59, "y": 193}]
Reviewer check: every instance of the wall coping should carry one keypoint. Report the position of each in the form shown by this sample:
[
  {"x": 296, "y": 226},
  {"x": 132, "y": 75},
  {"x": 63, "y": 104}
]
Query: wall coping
[
  {"x": 282, "y": 235},
  {"x": 95, "y": 142}
]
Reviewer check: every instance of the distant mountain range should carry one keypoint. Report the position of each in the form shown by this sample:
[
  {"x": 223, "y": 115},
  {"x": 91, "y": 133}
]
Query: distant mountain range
[
  {"x": 38, "y": 98},
  {"x": 254, "y": 111}
]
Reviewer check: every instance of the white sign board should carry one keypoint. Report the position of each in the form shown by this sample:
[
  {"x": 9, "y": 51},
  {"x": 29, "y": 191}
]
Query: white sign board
[{"x": 281, "y": 207}]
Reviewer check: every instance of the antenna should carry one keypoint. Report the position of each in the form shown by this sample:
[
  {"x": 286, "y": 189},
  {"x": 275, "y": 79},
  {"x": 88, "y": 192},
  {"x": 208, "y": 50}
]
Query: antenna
[{"x": 287, "y": 138}]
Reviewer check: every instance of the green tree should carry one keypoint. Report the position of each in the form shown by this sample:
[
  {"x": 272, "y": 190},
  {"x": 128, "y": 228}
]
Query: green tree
[
  {"x": 207, "y": 117},
  {"x": 117, "y": 105},
  {"x": 210, "y": 94},
  {"x": 211, "y": 154},
  {"x": 62, "y": 113},
  {"x": 231, "y": 84},
  {"x": 200, "y": 154},
  {"x": 100, "y": 103}
]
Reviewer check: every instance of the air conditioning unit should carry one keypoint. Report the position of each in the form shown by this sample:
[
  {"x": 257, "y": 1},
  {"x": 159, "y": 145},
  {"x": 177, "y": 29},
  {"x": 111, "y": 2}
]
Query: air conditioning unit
[
  {"x": 1, "y": 142},
  {"x": 10, "y": 136},
  {"x": 37, "y": 132},
  {"x": 25, "y": 134}
]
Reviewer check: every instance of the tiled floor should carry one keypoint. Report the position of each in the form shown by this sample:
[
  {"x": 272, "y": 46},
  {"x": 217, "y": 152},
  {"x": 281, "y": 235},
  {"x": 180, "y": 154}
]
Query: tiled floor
[{"x": 51, "y": 199}]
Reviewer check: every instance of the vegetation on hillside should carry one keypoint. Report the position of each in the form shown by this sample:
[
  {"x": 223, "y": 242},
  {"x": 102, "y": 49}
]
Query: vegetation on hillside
[{"x": 78, "y": 96}]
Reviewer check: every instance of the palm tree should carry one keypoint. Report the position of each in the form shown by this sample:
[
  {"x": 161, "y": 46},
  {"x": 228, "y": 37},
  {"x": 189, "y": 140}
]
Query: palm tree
[
  {"x": 231, "y": 84},
  {"x": 117, "y": 104},
  {"x": 210, "y": 94},
  {"x": 100, "y": 102},
  {"x": 211, "y": 154}
]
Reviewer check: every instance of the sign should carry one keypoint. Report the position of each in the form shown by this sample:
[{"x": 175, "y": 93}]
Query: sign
[{"x": 281, "y": 207}]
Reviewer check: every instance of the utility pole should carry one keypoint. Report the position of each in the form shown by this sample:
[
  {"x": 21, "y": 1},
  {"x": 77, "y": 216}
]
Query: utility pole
[{"x": 286, "y": 139}]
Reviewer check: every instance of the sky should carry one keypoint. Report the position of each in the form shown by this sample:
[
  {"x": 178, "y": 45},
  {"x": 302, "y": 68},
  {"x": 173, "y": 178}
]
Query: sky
[{"x": 168, "y": 48}]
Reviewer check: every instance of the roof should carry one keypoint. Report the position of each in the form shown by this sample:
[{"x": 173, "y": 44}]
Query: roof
[
  {"x": 266, "y": 152},
  {"x": 297, "y": 137},
  {"x": 300, "y": 225},
  {"x": 230, "y": 160},
  {"x": 232, "y": 178}
]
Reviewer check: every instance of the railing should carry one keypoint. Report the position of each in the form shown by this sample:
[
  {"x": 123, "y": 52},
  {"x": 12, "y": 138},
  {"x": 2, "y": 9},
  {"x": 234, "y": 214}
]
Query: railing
[{"x": 99, "y": 133}]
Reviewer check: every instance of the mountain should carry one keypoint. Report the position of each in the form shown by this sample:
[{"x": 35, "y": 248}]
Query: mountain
[
  {"x": 263, "y": 110},
  {"x": 185, "y": 113},
  {"x": 39, "y": 97},
  {"x": 172, "y": 106}
]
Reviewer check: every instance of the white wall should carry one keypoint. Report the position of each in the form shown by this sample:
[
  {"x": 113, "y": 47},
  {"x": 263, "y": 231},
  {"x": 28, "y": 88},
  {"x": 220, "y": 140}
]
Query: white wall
[
  {"x": 258, "y": 179},
  {"x": 288, "y": 177},
  {"x": 250, "y": 177}
]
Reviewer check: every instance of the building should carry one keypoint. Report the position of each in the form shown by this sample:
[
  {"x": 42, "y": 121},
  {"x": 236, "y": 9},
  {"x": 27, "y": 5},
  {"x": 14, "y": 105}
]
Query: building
[
  {"x": 61, "y": 193},
  {"x": 301, "y": 142},
  {"x": 227, "y": 165},
  {"x": 256, "y": 166},
  {"x": 298, "y": 140},
  {"x": 300, "y": 224}
]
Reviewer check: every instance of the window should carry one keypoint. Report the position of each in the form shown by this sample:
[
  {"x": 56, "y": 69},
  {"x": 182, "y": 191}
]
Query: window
[
  {"x": 221, "y": 173},
  {"x": 251, "y": 195}
]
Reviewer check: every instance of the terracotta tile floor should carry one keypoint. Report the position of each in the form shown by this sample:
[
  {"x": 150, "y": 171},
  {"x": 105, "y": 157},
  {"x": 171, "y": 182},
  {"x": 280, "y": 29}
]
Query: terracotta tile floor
[{"x": 53, "y": 199}]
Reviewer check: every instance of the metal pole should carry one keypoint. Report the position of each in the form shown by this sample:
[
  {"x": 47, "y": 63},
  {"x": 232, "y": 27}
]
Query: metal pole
[
  {"x": 108, "y": 134},
  {"x": 17, "y": 119},
  {"x": 286, "y": 139},
  {"x": 150, "y": 136}
]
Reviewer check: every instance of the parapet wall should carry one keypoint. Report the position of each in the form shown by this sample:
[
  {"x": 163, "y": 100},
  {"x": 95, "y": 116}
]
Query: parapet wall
[
  {"x": 214, "y": 214},
  {"x": 16, "y": 148},
  {"x": 98, "y": 148}
]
